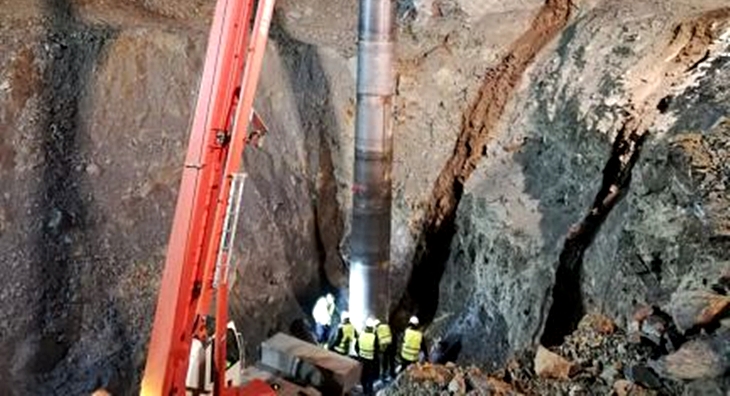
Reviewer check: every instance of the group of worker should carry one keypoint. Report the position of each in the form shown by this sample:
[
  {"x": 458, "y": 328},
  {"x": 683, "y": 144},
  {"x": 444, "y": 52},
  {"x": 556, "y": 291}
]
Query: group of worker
[{"x": 375, "y": 348}]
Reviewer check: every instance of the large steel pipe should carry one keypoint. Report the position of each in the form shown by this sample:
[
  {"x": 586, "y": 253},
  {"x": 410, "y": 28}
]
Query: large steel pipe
[{"x": 370, "y": 235}]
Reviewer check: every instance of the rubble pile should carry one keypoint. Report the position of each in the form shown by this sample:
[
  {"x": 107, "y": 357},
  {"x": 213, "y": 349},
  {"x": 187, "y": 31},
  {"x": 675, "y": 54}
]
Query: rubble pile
[
  {"x": 682, "y": 348},
  {"x": 448, "y": 379}
]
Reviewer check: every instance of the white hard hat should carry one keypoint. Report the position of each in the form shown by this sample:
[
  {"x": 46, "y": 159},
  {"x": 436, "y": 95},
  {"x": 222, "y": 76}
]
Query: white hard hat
[
  {"x": 413, "y": 320},
  {"x": 376, "y": 321},
  {"x": 370, "y": 322},
  {"x": 344, "y": 315}
]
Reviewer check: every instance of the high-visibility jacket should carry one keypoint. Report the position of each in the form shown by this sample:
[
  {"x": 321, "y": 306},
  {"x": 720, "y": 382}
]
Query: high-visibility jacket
[
  {"x": 411, "y": 345},
  {"x": 366, "y": 345},
  {"x": 348, "y": 336},
  {"x": 385, "y": 337}
]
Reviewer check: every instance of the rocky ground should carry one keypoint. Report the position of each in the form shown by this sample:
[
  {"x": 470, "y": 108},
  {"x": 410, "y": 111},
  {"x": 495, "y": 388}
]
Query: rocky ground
[{"x": 680, "y": 349}]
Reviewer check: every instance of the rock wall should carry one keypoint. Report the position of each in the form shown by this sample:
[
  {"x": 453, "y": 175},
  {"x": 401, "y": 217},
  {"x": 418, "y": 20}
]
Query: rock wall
[
  {"x": 589, "y": 198},
  {"x": 95, "y": 105}
]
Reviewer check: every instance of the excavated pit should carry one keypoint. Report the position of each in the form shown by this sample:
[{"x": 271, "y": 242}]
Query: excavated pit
[{"x": 97, "y": 113}]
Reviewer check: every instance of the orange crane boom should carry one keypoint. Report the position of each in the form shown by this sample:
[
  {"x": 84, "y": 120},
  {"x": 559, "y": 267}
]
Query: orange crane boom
[{"x": 195, "y": 278}]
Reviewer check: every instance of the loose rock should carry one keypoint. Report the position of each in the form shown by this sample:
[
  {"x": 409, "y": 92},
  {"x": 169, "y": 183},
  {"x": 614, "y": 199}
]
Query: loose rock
[
  {"x": 440, "y": 375},
  {"x": 500, "y": 388},
  {"x": 644, "y": 376},
  {"x": 622, "y": 387},
  {"x": 609, "y": 374},
  {"x": 653, "y": 328},
  {"x": 627, "y": 388},
  {"x": 552, "y": 365},
  {"x": 642, "y": 313},
  {"x": 599, "y": 323},
  {"x": 698, "y": 359},
  {"x": 485, "y": 385},
  {"x": 697, "y": 308},
  {"x": 457, "y": 385},
  {"x": 577, "y": 390},
  {"x": 436, "y": 379}
]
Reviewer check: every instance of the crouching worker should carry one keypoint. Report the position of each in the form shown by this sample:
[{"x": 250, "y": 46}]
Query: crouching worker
[{"x": 345, "y": 336}]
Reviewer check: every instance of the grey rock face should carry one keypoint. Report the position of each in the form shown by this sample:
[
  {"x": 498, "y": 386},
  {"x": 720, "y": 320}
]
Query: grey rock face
[
  {"x": 545, "y": 167},
  {"x": 492, "y": 274},
  {"x": 670, "y": 232}
]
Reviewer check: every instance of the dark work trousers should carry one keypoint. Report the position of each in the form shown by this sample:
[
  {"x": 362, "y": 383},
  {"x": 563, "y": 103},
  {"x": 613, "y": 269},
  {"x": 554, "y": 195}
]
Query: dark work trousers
[
  {"x": 322, "y": 332},
  {"x": 387, "y": 362},
  {"x": 369, "y": 375}
]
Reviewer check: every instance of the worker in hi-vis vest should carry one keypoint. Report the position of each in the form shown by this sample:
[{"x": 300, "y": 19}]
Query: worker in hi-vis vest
[
  {"x": 367, "y": 350},
  {"x": 345, "y": 336},
  {"x": 387, "y": 350},
  {"x": 412, "y": 345}
]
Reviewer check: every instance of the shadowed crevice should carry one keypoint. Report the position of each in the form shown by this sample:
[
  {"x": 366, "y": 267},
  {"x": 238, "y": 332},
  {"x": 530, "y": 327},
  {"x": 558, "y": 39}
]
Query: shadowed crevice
[
  {"x": 478, "y": 124},
  {"x": 567, "y": 306}
]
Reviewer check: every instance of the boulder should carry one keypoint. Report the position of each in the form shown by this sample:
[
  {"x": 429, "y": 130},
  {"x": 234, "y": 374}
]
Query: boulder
[
  {"x": 691, "y": 308},
  {"x": 552, "y": 365},
  {"x": 703, "y": 358}
]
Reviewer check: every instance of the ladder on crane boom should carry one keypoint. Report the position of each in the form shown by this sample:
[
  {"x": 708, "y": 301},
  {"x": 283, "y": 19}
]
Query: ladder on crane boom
[{"x": 195, "y": 278}]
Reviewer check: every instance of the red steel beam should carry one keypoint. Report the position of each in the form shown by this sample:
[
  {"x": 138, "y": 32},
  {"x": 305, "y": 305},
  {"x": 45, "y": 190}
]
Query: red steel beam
[
  {"x": 243, "y": 117},
  {"x": 204, "y": 186}
]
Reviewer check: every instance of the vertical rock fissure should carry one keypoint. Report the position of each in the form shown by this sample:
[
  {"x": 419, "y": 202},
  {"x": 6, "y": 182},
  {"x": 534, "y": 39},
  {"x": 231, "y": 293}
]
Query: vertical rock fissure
[
  {"x": 567, "y": 307},
  {"x": 478, "y": 124},
  {"x": 689, "y": 45}
]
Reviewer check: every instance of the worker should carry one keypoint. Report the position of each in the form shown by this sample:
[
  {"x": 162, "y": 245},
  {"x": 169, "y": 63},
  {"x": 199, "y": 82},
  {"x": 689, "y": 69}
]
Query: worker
[
  {"x": 367, "y": 350},
  {"x": 322, "y": 313},
  {"x": 387, "y": 350},
  {"x": 412, "y": 345},
  {"x": 345, "y": 336}
]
